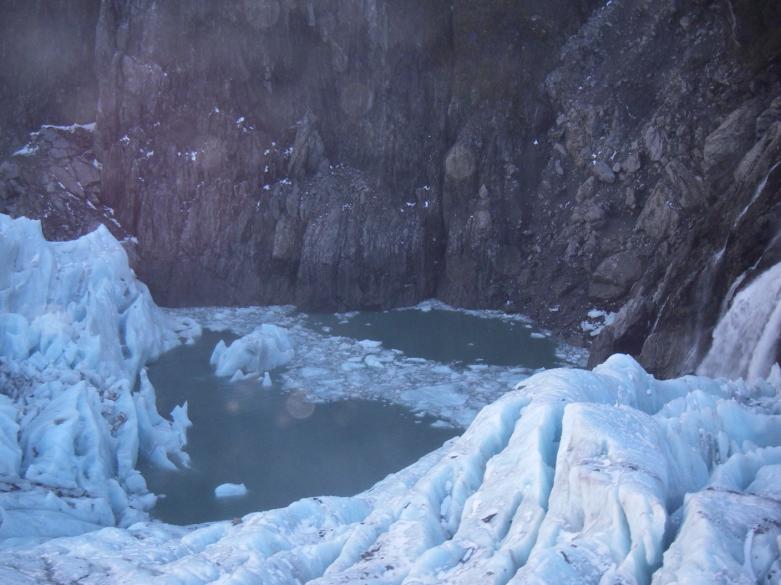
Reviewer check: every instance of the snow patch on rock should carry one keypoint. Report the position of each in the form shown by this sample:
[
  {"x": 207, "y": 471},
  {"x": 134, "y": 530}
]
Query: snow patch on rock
[{"x": 596, "y": 320}]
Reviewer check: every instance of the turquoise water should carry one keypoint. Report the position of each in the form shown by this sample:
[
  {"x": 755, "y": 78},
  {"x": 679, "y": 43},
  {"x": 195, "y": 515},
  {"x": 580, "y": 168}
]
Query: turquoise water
[
  {"x": 284, "y": 448},
  {"x": 279, "y": 446},
  {"x": 447, "y": 336}
]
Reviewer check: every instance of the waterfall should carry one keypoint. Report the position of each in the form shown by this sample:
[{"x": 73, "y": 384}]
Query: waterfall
[
  {"x": 757, "y": 192},
  {"x": 704, "y": 294},
  {"x": 746, "y": 337}
]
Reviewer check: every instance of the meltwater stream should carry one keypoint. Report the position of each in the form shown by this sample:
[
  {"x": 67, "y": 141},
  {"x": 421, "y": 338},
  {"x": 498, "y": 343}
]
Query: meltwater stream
[{"x": 285, "y": 446}]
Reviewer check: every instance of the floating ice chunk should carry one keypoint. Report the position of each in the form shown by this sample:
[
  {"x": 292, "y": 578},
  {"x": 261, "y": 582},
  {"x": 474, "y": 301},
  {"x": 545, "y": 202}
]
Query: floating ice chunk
[
  {"x": 239, "y": 376},
  {"x": 264, "y": 349},
  {"x": 187, "y": 329},
  {"x": 352, "y": 364},
  {"x": 309, "y": 373},
  {"x": 370, "y": 344},
  {"x": 372, "y": 361},
  {"x": 230, "y": 490}
]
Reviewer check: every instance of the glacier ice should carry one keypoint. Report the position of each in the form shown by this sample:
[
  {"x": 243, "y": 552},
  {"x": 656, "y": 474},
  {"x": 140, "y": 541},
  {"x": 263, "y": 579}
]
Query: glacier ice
[
  {"x": 76, "y": 408},
  {"x": 608, "y": 476},
  {"x": 253, "y": 355}
]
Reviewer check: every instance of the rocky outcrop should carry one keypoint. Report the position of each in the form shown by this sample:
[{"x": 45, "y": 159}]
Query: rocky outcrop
[
  {"x": 550, "y": 158},
  {"x": 55, "y": 177},
  {"x": 615, "y": 275}
]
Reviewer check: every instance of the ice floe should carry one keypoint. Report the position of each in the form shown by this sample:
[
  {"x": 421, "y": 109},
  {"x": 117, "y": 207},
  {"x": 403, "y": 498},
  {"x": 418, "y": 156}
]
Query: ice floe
[{"x": 326, "y": 367}]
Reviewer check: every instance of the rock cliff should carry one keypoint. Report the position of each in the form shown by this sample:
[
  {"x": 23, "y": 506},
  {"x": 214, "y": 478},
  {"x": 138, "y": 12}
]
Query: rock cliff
[
  {"x": 546, "y": 156},
  {"x": 47, "y": 74}
]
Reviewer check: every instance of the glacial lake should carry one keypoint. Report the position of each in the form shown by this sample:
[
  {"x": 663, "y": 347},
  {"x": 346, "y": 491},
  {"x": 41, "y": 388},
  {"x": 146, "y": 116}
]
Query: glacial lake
[
  {"x": 447, "y": 336},
  {"x": 284, "y": 448}
]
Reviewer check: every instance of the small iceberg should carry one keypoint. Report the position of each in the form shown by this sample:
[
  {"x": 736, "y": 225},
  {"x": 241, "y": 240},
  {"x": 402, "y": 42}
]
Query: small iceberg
[
  {"x": 253, "y": 355},
  {"x": 230, "y": 490}
]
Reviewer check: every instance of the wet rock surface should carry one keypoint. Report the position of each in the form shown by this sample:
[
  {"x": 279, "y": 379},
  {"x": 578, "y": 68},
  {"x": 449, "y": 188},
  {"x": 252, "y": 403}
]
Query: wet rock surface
[{"x": 546, "y": 158}]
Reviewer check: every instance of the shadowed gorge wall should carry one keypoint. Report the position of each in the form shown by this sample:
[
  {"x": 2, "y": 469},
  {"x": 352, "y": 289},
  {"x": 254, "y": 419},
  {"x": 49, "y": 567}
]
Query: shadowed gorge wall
[{"x": 47, "y": 73}]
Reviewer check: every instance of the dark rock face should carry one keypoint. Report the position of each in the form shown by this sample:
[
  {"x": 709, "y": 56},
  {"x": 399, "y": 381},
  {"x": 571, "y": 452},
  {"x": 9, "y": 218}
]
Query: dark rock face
[
  {"x": 47, "y": 73},
  {"x": 615, "y": 275},
  {"x": 544, "y": 156},
  {"x": 277, "y": 152},
  {"x": 329, "y": 154},
  {"x": 55, "y": 177}
]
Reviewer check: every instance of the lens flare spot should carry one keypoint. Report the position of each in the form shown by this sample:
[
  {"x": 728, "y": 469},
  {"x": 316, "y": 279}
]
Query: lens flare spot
[{"x": 298, "y": 406}]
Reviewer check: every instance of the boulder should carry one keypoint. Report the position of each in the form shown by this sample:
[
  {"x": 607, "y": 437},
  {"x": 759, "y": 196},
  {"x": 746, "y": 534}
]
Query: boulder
[
  {"x": 615, "y": 275},
  {"x": 726, "y": 144}
]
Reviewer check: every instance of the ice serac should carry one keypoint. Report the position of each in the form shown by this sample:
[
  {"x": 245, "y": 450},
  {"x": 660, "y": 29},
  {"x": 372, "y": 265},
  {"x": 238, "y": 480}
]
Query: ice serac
[
  {"x": 253, "y": 355},
  {"x": 76, "y": 329},
  {"x": 746, "y": 338},
  {"x": 587, "y": 477}
]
